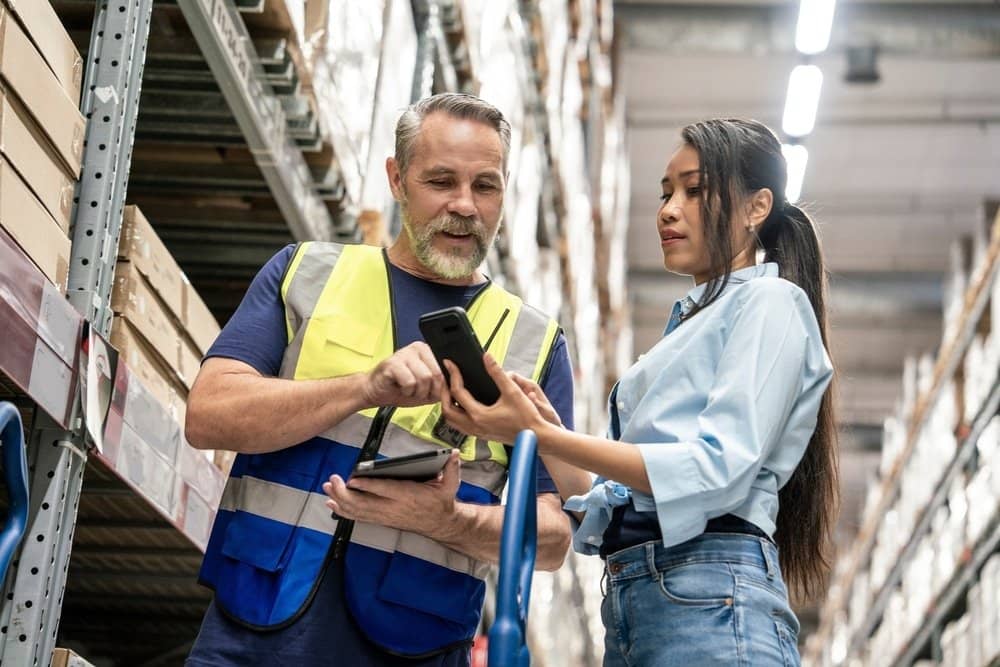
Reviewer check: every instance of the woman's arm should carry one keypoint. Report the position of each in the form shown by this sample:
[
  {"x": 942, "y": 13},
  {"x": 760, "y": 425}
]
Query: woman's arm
[{"x": 515, "y": 411}]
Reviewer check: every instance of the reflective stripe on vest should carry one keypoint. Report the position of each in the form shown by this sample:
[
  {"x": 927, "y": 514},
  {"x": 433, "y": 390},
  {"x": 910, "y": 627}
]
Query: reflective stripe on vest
[
  {"x": 289, "y": 505},
  {"x": 273, "y": 531}
]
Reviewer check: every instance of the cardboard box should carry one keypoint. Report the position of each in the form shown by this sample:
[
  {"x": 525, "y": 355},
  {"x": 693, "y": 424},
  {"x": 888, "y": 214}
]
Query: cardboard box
[
  {"x": 22, "y": 143},
  {"x": 189, "y": 362},
  {"x": 54, "y": 43},
  {"x": 201, "y": 325},
  {"x": 23, "y": 71},
  {"x": 31, "y": 226},
  {"x": 135, "y": 301},
  {"x": 140, "y": 245},
  {"x": 63, "y": 657},
  {"x": 148, "y": 367}
]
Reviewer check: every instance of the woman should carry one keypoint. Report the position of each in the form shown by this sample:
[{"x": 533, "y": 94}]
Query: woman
[{"x": 727, "y": 418}]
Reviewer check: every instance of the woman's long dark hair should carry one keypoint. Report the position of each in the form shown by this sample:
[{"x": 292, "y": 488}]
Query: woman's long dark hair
[{"x": 738, "y": 158}]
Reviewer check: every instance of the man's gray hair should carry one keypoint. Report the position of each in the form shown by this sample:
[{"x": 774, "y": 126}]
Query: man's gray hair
[{"x": 457, "y": 105}]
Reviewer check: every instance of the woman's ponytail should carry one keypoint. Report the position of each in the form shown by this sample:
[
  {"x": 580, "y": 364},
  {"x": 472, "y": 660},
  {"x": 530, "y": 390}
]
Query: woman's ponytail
[{"x": 808, "y": 502}]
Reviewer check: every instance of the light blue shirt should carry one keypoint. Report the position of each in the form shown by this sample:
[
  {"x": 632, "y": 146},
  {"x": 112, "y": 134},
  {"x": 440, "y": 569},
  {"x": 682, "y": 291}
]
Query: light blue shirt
[{"x": 721, "y": 409}]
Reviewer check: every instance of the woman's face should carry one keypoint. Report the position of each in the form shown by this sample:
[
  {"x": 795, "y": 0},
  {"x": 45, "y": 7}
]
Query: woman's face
[
  {"x": 678, "y": 221},
  {"x": 680, "y": 225}
]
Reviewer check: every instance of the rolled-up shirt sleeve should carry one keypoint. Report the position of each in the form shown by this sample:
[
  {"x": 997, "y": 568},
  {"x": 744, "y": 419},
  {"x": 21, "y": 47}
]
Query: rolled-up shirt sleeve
[{"x": 758, "y": 380}]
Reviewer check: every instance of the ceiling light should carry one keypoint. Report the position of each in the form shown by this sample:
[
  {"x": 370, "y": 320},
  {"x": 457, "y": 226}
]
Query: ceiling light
[
  {"x": 812, "y": 34},
  {"x": 796, "y": 156},
  {"x": 804, "y": 86}
]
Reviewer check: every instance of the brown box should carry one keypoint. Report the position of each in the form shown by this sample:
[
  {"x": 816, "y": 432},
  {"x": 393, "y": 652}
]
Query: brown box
[
  {"x": 28, "y": 151},
  {"x": 63, "y": 657},
  {"x": 32, "y": 227},
  {"x": 200, "y": 323},
  {"x": 54, "y": 43},
  {"x": 140, "y": 245},
  {"x": 189, "y": 362},
  {"x": 144, "y": 363},
  {"x": 23, "y": 70},
  {"x": 135, "y": 301}
]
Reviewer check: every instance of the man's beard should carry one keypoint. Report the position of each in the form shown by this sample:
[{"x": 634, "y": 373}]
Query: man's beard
[{"x": 454, "y": 264}]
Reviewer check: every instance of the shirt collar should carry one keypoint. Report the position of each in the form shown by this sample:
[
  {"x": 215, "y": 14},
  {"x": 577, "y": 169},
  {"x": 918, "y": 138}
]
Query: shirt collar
[{"x": 769, "y": 269}]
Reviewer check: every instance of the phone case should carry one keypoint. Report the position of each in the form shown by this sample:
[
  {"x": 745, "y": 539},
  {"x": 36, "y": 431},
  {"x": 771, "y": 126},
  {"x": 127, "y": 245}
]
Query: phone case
[{"x": 450, "y": 336}]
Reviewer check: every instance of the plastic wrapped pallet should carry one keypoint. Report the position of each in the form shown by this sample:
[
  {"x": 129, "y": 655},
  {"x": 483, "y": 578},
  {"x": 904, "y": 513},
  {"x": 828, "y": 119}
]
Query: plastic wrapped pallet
[
  {"x": 344, "y": 77},
  {"x": 956, "y": 282},
  {"x": 990, "y": 603},
  {"x": 395, "y": 79}
]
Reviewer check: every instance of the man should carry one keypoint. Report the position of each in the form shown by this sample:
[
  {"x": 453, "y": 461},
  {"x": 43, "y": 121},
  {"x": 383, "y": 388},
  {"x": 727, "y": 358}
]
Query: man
[{"x": 322, "y": 363}]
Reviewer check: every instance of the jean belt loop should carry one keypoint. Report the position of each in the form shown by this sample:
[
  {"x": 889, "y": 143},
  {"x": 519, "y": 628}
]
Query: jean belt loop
[
  {"x": 651, "y": 560},
  {"x": 765, "y": 549}
]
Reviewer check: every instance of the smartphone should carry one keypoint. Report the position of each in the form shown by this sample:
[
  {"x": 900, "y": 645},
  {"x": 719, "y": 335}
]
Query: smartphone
[
  {"x": 449, "y": 334},
  {"x": 420, "y": 467}
]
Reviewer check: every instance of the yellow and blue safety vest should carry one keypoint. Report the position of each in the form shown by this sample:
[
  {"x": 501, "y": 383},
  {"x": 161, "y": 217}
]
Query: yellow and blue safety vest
[{"x": 273, "y": 535}]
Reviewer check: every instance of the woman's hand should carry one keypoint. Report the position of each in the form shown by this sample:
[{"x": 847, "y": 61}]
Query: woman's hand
[
  {"x": 538, "y": 397},
  {"x": 513, "y": 412}
]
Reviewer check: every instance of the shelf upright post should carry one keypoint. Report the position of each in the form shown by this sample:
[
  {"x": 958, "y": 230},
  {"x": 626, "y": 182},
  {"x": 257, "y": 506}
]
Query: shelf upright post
[
  {"x": 444, "y": 63},
  {"x": 423, "y": 77},
  {"x": 31, "y": 614},
  {"x": 115, "y": 58}
]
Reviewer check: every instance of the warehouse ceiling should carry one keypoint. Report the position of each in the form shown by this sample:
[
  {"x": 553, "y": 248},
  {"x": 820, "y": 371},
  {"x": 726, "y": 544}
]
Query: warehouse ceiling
[{"x": 898, "y": 168}]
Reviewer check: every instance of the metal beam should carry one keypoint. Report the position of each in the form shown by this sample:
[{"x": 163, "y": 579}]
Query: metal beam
[
  {"x": 937, "y": 29},
  {"x": 225, "y": 42}
]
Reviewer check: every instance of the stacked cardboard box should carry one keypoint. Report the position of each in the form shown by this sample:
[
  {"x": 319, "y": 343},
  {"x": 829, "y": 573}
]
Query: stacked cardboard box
[
  {"x": 159, "y": 317},
  {"x": 161, "y": 325},
  {"x": 41, "y": 133}
]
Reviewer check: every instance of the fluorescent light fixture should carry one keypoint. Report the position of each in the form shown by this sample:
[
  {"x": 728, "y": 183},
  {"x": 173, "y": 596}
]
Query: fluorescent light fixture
[
  {"x": 796, "y": 156},
  {"x": 804, "y": 86},
  {"x": 812, "y": 34}
]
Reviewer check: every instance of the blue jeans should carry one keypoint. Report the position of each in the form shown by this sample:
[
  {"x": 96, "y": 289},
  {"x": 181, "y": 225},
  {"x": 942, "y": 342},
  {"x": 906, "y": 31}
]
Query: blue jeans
[{"x": 717, "y": 599}]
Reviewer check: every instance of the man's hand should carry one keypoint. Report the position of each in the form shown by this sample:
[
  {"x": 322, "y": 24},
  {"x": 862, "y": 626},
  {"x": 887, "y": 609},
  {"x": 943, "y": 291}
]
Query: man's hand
[
  {"x": 409, "y": 377},
  {"x": 417, "y": 507}
]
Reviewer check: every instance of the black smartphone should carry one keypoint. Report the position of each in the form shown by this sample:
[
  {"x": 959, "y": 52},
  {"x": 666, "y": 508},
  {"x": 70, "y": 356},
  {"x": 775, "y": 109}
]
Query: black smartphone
[
  {"x": 449, "y": 334},
  {"x": 420, "y": 467}
]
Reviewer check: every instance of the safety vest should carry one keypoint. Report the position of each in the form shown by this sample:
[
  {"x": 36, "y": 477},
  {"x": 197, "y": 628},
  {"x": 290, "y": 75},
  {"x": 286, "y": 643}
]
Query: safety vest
[{"x": 273, "y": 534}]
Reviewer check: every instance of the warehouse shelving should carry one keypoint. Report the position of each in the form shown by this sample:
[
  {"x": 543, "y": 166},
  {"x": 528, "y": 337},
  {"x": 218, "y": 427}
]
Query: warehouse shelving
[
  {"x": 972, "y": 320},
  {"x": 966, "y": 452},
  {"x": 135, "y": 510},
  {"x": 206, "y": 119}
]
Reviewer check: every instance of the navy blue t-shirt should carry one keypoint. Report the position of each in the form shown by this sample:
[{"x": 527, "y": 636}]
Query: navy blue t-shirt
[{"x": 256, "y": 335}]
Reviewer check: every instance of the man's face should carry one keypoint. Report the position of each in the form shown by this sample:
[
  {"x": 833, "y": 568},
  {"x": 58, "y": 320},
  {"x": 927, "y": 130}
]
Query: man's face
[{"x": 451, "y": 196}]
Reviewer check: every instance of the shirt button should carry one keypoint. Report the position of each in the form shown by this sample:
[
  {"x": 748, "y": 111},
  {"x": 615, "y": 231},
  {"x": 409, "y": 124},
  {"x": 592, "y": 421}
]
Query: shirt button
[{"x": 621, "y": 405}]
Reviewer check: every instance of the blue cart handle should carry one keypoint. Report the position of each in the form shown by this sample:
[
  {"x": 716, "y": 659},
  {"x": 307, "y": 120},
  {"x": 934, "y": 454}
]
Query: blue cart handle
[
  {"x": 16, "y": 473},
  {"x": 518, "y": 546}
]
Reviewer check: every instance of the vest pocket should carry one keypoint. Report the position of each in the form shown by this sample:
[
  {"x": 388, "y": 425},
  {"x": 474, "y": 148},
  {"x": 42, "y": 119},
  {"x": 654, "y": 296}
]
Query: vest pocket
[
  {"x": 414, "y": 583},
  {"x": 349, "y": 346},
  {"x": 261, "y": 529}
]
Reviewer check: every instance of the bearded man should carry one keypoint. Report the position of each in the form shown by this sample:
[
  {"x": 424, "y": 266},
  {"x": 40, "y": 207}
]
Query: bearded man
[{"x": 323, "y": 360}]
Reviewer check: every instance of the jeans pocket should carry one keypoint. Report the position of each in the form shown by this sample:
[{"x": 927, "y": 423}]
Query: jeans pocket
[
  {"x": 698, "y": 584},
  {"x": 788, "y": 643}
]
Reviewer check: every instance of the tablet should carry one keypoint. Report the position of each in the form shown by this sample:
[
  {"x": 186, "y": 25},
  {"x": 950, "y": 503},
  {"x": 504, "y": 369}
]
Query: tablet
[{"x": 420, "y": 467}]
